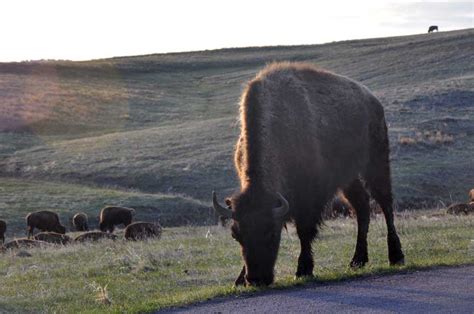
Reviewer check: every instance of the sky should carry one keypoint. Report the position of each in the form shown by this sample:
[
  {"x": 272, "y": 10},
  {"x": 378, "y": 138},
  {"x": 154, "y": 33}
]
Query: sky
[{"x": 92, "y": 29}]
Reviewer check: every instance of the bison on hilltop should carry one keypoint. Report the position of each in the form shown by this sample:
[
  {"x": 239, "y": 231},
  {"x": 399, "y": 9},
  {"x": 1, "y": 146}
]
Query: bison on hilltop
[
  {"x": 3, "y": 229},
  {"x": 305, "y": 133},
  {"x": 142, "y": 230},
  {"x": 45, "y": 221},
  {"x": 53, "y": 237},
  {"x": 80, "y": 222},
  {"x": 111, "y": 216},
  {"x": 93, "y": 236}
]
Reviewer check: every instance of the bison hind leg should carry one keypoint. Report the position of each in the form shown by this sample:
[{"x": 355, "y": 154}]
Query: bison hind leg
[
  {"x": 359, "y": 199},
  {"x": 380, "y": 185}
]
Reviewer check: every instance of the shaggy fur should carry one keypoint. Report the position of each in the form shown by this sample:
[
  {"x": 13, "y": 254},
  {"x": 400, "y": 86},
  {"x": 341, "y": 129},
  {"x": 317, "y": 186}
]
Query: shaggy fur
[
  {"x": 142, "y": 230},
  {"x": 3, "y": 229},
  {"x": 53, "y": 237},
  {"x": 112, "y": 216},
  {"x": 45, "y": 221},
  {"x": 80, "y": 222},
  {"x": 306, "y": 133},
  {"x": 94, "y": 236}
]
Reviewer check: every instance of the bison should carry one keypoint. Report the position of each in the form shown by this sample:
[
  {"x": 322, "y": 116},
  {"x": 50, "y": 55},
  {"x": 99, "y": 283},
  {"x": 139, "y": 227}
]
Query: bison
[
  {"x": 94, "y": 236},
  {"x": 110, "y": 216},
  {"x": 305, "y": 133},
  {"x": 79, "y": 221},
  {"x": 45, "y": 221},
  {"x": 432, "y": 28},
  {"x": 24, "y": 243},
  {"x": 52, "y": 237},
  {"x": 461, "y": 209},
  {"x": 3, "y": 229},
  {"x": 142, "y": 230}
]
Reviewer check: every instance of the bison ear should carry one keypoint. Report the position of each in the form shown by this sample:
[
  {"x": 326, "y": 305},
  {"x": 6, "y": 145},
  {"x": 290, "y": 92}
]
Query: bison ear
[{"x": 280, "y": 212}]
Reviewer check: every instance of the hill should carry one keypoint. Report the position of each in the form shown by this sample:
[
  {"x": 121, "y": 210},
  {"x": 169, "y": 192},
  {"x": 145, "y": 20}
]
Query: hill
[{"x": 166, "y": 124}]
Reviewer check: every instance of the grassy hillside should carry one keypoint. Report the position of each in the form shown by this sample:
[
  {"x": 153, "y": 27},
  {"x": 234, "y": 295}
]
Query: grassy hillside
[
  {"x": 195, "y": 263},
  {"x": 166, "y": 124}
]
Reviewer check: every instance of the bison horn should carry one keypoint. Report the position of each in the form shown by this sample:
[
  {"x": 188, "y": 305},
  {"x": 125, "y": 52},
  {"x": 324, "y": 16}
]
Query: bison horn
[
  {"x": 225, "y": 212},
  {"x": 280, "y": 212}
]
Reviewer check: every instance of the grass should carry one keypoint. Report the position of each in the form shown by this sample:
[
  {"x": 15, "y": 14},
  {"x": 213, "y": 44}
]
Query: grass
[{"x": 192, "y": 264}]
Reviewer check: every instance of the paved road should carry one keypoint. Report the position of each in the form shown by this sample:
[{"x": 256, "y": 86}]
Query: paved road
[{"x": 447, "y": 290}]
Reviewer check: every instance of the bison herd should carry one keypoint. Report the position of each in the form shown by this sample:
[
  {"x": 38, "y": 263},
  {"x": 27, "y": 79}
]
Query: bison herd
[{"x": 53, "y": 232}]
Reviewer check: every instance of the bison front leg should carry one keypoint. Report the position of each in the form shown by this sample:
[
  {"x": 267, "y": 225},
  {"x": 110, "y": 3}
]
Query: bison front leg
[
  {"x": 305, "y": 260},
  {"x": 240, "y": 281}
]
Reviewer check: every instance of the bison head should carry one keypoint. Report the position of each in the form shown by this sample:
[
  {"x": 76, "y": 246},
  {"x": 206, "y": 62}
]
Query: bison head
[
  {"x": 257, "y": 228},
  {"x": 60, "y": 229}
]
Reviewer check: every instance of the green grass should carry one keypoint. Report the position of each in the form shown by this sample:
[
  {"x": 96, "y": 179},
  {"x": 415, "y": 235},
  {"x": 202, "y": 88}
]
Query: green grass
[{"x": 196, "y": 263}]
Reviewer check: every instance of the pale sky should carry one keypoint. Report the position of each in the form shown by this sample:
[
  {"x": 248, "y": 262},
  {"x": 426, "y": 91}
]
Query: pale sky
[{"x": 91, "y": 29}]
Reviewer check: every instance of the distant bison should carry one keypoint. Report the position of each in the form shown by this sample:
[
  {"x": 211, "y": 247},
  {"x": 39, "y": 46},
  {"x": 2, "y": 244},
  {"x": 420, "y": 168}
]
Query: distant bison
[
  {"x": 53, "y": 237},
  {"x": 24, "y": 243},
  {"x": 3, "y": 228},
  {"x": 94, "y": 236},
  {"x": 461, "y": 209},
  {"x": 80, "y": 222},
  {"x": 45, "y": 221},
  {"x": 432, "y": 28},
  {"x": 110, "y": 216},
  {"x": 339, "y": 207},
  {"x": 142, "y": 230}
]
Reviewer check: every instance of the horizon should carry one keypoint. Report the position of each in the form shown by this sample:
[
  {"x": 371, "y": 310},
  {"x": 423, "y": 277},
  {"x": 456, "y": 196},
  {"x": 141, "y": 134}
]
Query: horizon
[{"x": 81, "y": 31}]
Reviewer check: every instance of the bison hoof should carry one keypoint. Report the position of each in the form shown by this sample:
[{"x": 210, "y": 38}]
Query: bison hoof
[
  {"x": 398, "y": 262},
  {"x": 305, "y": 277},
  {"x": 239, "y": 282},
  {"x": 358, "y": 263}
]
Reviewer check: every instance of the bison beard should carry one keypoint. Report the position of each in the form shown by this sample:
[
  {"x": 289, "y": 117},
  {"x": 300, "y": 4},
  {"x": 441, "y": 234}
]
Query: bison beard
[{"x": 305, "y": 133}]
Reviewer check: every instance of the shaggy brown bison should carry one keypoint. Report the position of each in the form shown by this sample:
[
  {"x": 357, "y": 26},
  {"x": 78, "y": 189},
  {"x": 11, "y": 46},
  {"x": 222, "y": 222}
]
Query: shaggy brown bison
[
  {"x": 53, "y": 237},
  {"x": 142, "y": 230},
  {"x": 79, "y": 221},
  {"x": 45, "y": 221},
  {"x": 3, "y": 229},
  {"x": 461, "y": 209},
  {"x": 110, "y": 216},
  {"x": 339, "y": 207},
  {"x": 94, "y": 236},
  {"x": 305, "y": 133},
  {"x": 24, "y": 243},
  {"x": 432, "y": 28}
]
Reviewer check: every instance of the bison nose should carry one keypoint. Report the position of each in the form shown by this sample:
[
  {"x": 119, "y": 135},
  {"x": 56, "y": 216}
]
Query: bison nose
[{"x": 255, "y": 281}]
